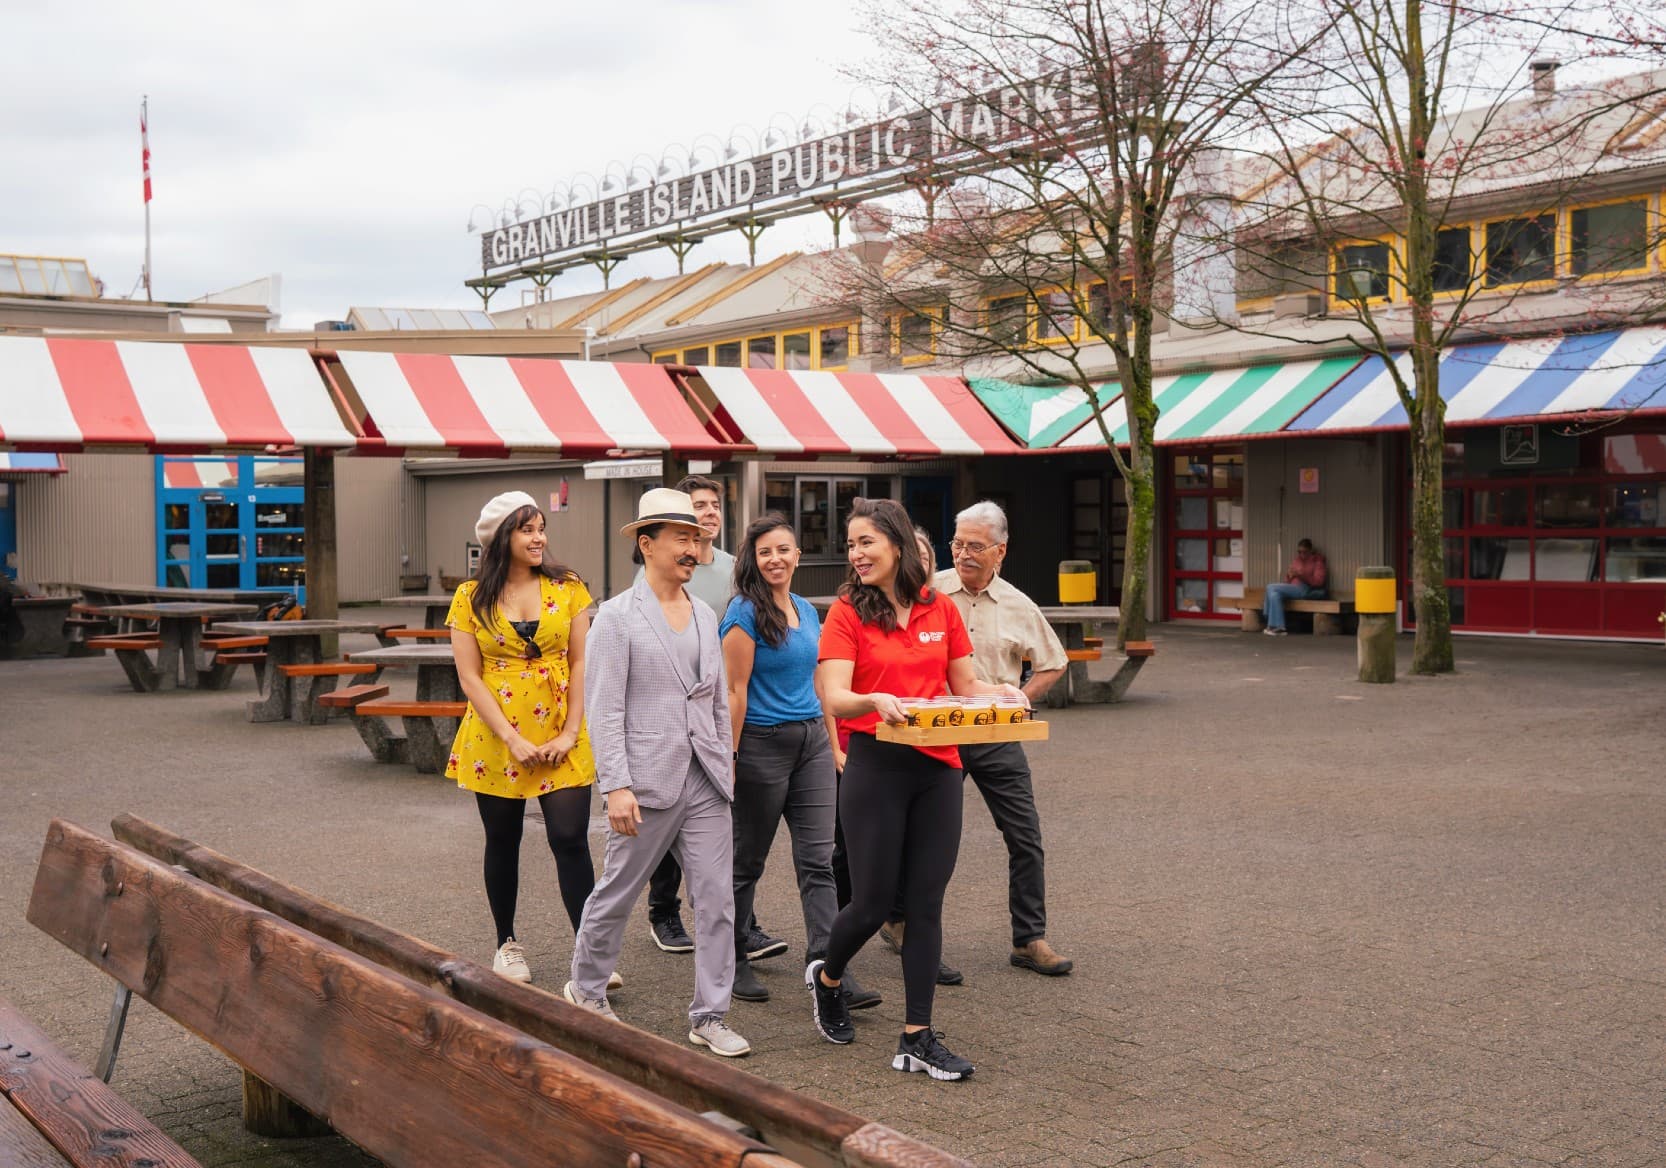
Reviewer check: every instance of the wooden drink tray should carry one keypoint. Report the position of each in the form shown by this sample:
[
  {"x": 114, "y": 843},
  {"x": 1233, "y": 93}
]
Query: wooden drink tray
[{"x": 963, "y": 735}]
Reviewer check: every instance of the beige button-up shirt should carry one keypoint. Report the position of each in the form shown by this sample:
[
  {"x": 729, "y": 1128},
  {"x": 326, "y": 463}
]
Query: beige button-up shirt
[{"x": 1005, "y": 627}]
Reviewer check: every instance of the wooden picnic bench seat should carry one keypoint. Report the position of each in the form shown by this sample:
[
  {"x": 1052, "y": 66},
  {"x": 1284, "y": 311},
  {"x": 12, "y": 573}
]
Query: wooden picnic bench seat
[
  {"x": 341, "y": 702},
  {"x": 418, "y": 1056},
  {"x": 219, "y": 644},
  {"x": 1083, "y": 654},
  {"x": 429, "y": 728},
  {"x": 1328, "y": 612},
  {"x": 117, "y": 642},
  {"x": 54, "y": 1111},
  {"x": 313, "y": 679},
  {"x": 409, "y": 634}
]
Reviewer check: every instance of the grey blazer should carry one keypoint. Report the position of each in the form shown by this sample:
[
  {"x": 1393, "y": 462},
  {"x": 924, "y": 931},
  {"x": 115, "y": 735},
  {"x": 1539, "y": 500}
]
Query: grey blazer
[{"x": 648, "y": 720}]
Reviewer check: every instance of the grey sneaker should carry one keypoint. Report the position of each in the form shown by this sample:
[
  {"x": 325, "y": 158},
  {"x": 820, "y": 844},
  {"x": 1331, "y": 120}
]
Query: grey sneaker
[
  {"x": 714, "y": 1034},
  {"x": 594, "y": 1005},
  {"x": 510, "y": 962}
]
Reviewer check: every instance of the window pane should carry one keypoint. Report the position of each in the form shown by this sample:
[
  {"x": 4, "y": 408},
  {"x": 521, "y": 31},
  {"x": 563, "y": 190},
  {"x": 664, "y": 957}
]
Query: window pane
[
  {"x": 1519, "y": 250},
  {"x": 700, "y": 356},
  {"x": 760, "y": 353},
  {"x": 57, "y": 282},
  {"x": 795, "y": 351},
  {"x": 225, "y": 576},
  {"x": 812, "y": 517},
  {"x": 1567, "y": 505},
  {"x": 1191, "y": 555},
  {"x": 10, "y": 281},
  {"x": 222, "y": 545},
  {"x": 278, "y": 515},
  {"x": 1452, "y": 259},
  {"x": 29, "y": 271},
  {"x": 1637, "y": 559},
  {"x": 220, "y": 515},
  {"x": 1056, "y": 319},
  {"x": 176, "y": 517},
  {"x": 1637, "y": 505},
  {"x": 1565, "y": 559},
  {"x": 80, "y": 280},
  {"x": 1609, "y": 239},
  {"x": 1499, "y": 559},
  {"x": 728, "y": 355},
  {"x": 290, "y": 575},
  {"x": 1189, "y": 472},
  {"x": 1452, "y": 502},
  {"x": 1362, "y": 271},
  {"x": 915, "y": 330},
  {"x": 1501, "y": 507},
  {"x": 1194, "y": 514},
  {"x": 1191, "y": 596},
  {"x": 835, "y": 346},
  {"x": 1004, "y": 320},
  {"x": 665, "y": 358},
  {"x": 1228, "y": 471},
  {"x": 1454, "y": 548},
  {"x": 286, "y": 544},
  {"x": 845, "y": 492}
]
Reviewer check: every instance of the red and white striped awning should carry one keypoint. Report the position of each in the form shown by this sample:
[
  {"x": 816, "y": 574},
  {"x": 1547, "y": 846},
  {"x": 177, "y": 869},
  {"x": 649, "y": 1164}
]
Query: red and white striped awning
[
  {"x": 60, "y": 393},
  {"x": 782, "y": 411},
  {"x": 421, "y": 401}
]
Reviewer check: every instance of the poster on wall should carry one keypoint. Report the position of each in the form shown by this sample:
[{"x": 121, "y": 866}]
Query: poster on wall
[{"x": 1307, "y": 480}]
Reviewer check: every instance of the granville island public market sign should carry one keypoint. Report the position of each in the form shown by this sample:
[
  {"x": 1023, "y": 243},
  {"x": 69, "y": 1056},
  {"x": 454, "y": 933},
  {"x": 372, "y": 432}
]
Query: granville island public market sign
[{"x": 952, "y": 138}]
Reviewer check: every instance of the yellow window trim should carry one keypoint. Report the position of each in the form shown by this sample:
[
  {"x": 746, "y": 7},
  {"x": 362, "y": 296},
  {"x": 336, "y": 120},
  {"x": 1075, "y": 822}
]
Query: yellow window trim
[
  {"x": 1396, "y": 270},
  {"x": 1522, "y": 285},
  {"x": 1564, "y": 238},
  {"x": 1075, "y": 317},
  {"x": 853, "y": 336},
  {"x": 933, "y": 313}
]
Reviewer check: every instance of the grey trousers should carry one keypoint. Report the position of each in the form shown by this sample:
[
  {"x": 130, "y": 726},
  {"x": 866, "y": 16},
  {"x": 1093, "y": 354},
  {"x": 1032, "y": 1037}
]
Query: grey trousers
[
  {"x": 697, "y": 830},
  {"x": 786, "y": 772}
]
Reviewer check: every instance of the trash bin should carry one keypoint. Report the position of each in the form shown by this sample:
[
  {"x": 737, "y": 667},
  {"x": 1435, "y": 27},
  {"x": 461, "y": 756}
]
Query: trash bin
[{"x": 1078, "y": 582}]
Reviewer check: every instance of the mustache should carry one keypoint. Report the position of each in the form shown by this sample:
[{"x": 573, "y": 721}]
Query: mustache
[{"x": 688, "y": 561}]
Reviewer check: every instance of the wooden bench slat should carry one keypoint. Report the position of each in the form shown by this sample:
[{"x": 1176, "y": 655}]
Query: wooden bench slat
[
  {"x": 1140, "y": 649},
  {"x": 120, "y": 643},
  {"x": 819, "y": 1133},
  {"x": 1083, "y": 654},
  {"x": 83, "y": 1119},
  {"x": 221, "y": 643},
  {"x": 327, "y": 669},
  {"x": 405, "y": 634},
  {"x": 408, "y": 1074},
  {"x": 399, "y": 708},
  {"x": 239, "y": 658},
  {"x": 351, "y": 696}
]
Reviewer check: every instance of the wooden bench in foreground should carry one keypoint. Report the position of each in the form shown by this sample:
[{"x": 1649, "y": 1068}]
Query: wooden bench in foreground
[
  {"x": 56, "y": 1112},
  {"x": 1328, "y": 612},
  {"x": 429, "y": 728},
  {"x": 418, "y": 1056}
]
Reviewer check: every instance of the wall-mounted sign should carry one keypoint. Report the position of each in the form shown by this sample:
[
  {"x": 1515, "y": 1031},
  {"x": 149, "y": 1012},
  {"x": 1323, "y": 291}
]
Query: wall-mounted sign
[
  {"x": 624, "y": 468},
  {"x": 956, "y": 137},
  {"x": 1307, "y": 480},
  {"x": 1518, "y": 445}
]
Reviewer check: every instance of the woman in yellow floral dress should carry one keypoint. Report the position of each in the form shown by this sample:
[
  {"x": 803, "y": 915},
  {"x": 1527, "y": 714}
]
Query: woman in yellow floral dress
[{"x": 517, "y": 631}]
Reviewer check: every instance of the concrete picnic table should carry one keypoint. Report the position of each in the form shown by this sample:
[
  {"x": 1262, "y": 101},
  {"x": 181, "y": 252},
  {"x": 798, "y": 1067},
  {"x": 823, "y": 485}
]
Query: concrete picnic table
[
  {"x": 434, "y": 607},
  {"x": 102, "y": 595},
  {"x": 178, "y": 661},
  {"x": 428, "y": 739},
  {"x": 289, "y": 643},
  {"x": 42, "y": 618}
]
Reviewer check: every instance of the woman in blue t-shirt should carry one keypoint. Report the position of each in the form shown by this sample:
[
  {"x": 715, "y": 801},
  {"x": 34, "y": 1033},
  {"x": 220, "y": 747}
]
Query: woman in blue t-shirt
[{"x": 783, "y": 760}]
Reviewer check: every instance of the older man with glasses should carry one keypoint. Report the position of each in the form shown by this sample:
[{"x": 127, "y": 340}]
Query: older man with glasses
[{"x": 1006, "y": 628}]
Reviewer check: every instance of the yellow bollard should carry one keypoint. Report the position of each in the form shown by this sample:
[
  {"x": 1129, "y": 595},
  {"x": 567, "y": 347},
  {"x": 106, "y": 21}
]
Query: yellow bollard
[{"x": 1375, "y": 603}]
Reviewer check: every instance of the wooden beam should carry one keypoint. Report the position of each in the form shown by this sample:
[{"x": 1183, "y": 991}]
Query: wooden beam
[
  {"x": 83, "y": 1120},
  {"x": 600, "y": 303},
  {"x": 733, "y": 286},
  {"x": 811, "y": 1131},
  {"x": 675, "y": 289},
  {"x": 406, "y": 1073}
]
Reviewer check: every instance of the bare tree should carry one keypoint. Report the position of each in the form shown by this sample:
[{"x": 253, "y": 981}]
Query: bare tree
[
  {"x": 1074, "y": 140},
  {"x": 1421, "y": 113}
]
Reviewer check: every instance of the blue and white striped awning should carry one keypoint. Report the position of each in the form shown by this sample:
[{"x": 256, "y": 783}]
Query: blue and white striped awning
[{"x": 1621, "y": 370}]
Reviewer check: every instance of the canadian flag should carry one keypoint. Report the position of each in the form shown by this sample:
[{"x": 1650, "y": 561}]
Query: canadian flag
[{"x": 144, "y": 142}]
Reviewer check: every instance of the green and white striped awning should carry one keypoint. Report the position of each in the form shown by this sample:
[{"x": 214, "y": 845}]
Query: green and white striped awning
[{"x": 1225, "y": 403}]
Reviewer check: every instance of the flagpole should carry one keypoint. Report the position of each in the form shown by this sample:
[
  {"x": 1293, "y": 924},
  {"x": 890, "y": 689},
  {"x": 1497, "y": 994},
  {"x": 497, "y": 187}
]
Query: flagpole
[{"x": 144, "y": 135}]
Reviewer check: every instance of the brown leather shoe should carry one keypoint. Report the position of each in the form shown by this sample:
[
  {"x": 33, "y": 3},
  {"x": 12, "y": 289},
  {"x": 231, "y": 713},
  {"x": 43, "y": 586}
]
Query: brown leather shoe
[{"x": 1039, "y": 956}]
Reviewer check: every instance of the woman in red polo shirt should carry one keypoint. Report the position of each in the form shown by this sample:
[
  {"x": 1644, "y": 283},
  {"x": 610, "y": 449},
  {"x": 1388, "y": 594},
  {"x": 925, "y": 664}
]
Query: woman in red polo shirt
[{"x": 890, "y": 636}]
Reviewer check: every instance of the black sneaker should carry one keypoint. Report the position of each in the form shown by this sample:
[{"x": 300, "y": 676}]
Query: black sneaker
[
  {"x": 924, "y": 1051},
  {"x": 760, "y": 944},
  {"x": 829, "y": 1007},
  {"x": 670, "y": 935},
  {"x": 949, "y": 975},
  {"x": 857, "y": 997},
  {"x": 747, "y": 986}
]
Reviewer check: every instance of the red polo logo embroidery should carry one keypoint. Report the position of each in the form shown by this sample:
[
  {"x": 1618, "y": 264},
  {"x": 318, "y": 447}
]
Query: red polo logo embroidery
[{"x": 927, "y": 638}]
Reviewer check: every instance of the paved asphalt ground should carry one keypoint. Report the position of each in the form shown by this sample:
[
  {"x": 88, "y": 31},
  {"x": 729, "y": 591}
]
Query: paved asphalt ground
[{"x": 1315, "y": 922}]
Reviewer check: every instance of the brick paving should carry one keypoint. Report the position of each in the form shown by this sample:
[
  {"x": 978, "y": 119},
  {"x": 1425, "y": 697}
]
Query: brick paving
[{"x": 1315, "y": 922}]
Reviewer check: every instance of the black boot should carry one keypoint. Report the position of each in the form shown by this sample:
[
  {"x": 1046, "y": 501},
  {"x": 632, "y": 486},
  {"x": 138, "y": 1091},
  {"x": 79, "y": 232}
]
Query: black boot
[{"x": 747, "y": 986}]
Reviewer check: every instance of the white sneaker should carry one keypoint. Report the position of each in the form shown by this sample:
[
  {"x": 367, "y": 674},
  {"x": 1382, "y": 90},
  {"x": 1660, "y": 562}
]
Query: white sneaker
[
  {"x": 594, "y": 1005},
  {"x": 615, "y": 982},
  {"x": 510, "y": 962},
  {"x": 714, "y": 1034}
]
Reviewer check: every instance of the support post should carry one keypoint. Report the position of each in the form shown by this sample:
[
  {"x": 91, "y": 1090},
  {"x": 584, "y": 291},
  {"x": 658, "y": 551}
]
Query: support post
[
  {"x": 269, "y": 1112},
  {"x": 318, "y": 516}
]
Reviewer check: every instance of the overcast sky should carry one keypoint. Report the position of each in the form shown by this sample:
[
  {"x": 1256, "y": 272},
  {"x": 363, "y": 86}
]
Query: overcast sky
[{"x": 345, "y": 145}]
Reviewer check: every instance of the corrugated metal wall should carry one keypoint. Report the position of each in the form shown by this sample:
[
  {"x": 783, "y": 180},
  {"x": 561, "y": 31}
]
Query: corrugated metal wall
[
  {"x": 1345, "y": 517},
  {"x": 95, "y": 523},
  {"x": 370, "y": 527}
]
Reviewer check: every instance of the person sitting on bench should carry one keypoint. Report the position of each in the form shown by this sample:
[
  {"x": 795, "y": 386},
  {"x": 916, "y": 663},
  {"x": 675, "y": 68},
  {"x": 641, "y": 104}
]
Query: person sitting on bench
[{"x": 1305, "y": 580}]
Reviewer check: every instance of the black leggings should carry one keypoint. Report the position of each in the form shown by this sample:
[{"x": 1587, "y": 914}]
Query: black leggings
[
  {"x": 566, "y": 822},
  {"x": 900, "y": 812}
]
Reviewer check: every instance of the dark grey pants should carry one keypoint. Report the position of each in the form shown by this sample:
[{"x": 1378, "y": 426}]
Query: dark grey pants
[
  {"x": 1002, "y": 772},
  {"x": 786, "y": 772}
]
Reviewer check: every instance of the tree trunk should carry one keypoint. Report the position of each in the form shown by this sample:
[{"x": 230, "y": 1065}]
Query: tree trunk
[
  {"x": 1432, "y": 650},
  {"x": 1136, "y": 565}
]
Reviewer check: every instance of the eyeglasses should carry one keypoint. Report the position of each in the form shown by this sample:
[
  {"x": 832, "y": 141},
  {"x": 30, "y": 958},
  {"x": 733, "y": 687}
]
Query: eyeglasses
[
  {"x": 533, "y": 652},
  {"x": 977, "y": 549}
]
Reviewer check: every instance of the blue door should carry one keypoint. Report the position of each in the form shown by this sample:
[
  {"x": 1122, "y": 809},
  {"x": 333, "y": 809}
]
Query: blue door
[
  {"x": 230, "y": 523},
  {"x": 930, "y": 504},
  {"x": 8, "y": 531}
]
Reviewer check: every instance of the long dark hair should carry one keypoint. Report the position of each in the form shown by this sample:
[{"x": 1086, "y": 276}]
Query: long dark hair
[
  {"x": 910, "y": 583},
  {"x": 493, "y": 573},
  {"x": 767, "y": 616}
]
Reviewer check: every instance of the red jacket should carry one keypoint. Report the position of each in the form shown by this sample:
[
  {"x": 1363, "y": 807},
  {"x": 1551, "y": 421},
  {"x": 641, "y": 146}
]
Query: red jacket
[{"x": 1309, "y": 569}]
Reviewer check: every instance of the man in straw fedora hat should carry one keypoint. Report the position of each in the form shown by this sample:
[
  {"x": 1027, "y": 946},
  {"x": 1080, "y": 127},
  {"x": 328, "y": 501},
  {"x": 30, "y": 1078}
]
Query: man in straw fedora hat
[{"x": 655, "y": 700}]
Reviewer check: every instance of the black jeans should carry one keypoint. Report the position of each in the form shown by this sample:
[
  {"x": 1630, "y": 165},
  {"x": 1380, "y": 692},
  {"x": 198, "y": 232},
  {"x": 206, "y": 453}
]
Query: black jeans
[
  {"x": 900, "y": 810},
  {"x": 786, "y": 772},
  {"x": 663, "y": 901}
]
